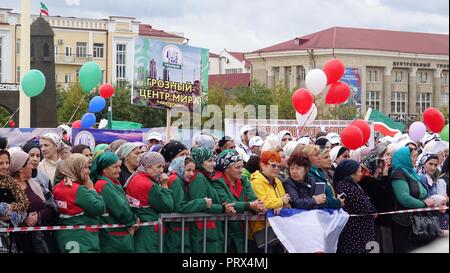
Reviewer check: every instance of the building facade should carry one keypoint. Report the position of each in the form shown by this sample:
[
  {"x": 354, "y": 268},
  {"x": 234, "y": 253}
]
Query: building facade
[
  {"x": 108, "y": 42},
  {"x": 401, "y": 72},
  {"x": 228, "y": 62}
]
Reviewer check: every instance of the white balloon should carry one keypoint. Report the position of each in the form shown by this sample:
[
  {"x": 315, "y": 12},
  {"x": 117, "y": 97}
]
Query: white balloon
[
  {"x": 316, "y": 81},
  {"x": 308, "y": 118}
]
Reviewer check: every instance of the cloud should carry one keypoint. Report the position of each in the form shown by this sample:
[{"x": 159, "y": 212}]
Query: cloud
[
  {"x": 73, "y": 2},
  {"x": 249, "y": 25}
]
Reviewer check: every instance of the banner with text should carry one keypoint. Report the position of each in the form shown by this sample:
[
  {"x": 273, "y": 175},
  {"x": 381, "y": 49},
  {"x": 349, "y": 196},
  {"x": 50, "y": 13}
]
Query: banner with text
[{"x": 169, "y": 75}]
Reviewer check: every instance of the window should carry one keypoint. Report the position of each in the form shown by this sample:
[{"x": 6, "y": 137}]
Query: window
[
  {"x": 18, "y": 46},
  {"x": 67, "y": 78},
  {"x": 98, "y": 50},
  {"x": 46, "y": 50},
  {"x": 373, "y": 100},
  {"x": 444, "y": 77},
  {"x": 372, "y": 75},
  {"x": 81, "y": 49},
  {"x": 444, "y": 98},
  {"x": 423, "y": 77},
  {"x": 77, "y": 75},
  {"x": 398, "y": 103},
  {"x": 301, "y": 73},
  {"x": 398, "y": 76},
  {"x": 32, "y": 50},
  {"x": 68, "y": 51},
  {"x": 120, "y": 61},
  {"x": 233, "y": 71},
  {"x": 423, "y": 101}
]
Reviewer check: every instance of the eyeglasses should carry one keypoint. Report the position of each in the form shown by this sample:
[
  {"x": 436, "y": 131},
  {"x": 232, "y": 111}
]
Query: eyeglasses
[{"x": 275, "y": 166}]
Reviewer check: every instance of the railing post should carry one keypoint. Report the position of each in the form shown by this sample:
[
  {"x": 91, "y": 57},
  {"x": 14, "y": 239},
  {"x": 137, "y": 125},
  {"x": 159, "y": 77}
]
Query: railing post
[
  {"x": 246, "y": 234},
  {"x": 161, "y": 234},
  {"x": 265, "y": 236},
  {"x": 204, "y": 234},
  {"x": 182, "y": 234},
  {"x": 226, "y": 234}
]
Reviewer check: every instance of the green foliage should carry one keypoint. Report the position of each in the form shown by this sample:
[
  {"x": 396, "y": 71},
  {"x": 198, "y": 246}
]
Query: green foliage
[
  {"x": 281, "y": 96},
  {"x": 4, "y": 116},
  {"x": 68, "y": 101},
  {"x": 337, "y": 112},
  {"x": 444, "y": 111}
]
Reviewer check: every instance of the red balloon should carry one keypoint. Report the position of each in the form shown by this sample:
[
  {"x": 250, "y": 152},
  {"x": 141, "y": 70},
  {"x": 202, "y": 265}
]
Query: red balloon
[
  {"x": 434, "y": 119},
  {"x": 302, "y": 100},
  {"x": 12, "y": 123},
  {"x": 334, "y": 69},
  {"x": 364, "y": 127},
  {"x": 337, "y": 93},
  {"x": 352, "y": 137},
  {"x": 106, "y": 90},
  {"x": 76, "y": 124}
]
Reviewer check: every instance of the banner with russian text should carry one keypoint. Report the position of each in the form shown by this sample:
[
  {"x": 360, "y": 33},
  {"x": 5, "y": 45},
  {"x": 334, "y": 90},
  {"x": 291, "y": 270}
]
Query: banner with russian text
[{"x": 169, "y": 75}]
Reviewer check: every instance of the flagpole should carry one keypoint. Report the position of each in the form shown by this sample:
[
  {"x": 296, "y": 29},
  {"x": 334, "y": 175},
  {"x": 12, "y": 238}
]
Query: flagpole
[{"x": 24, "y": 100}]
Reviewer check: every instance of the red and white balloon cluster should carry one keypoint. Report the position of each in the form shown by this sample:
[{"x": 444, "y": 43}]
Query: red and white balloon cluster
[{"x": 316, "y": 81}]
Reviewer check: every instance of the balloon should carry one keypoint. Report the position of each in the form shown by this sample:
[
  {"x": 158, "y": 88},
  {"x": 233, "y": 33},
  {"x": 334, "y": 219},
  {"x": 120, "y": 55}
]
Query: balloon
[
  {"x": 88, "y": 120},
  {"x": 364, "y": 127},
  {"x": 417, "y": 131},
  {"x": 307, "y": 118},
  {"x": 444, "y": 133},
  {"x": 316, "y": 81},
  {"x": 352, "y": 137},
  {"x": 97, "y": 104},
  {"x": 12, "y": 123},
  {"x": 302, "y": 100},
  {"x": 337, "y": 93},
  {"x": 434, "y": 119},
  {"x": 90, "y": 76},
  {"x": 106, "y": 90},
  {"x": 33, "y": 83},
  {"x": 334, "y": 69},
  {"x": 76, "y": 124}
]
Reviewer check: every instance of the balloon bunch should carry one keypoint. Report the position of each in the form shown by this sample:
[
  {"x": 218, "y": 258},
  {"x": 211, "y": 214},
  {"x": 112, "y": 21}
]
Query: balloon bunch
[
  {"x": 316, "y": 81},
  {"x": 90, "y": 77}
]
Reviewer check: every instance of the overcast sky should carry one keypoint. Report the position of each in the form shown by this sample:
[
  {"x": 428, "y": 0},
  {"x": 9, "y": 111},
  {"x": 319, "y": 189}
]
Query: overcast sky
[{"x": 247, "y": 25}]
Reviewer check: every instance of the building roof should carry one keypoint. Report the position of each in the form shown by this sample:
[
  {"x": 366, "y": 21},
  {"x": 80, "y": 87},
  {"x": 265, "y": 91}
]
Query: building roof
[
  {"x": 367, "y": 39},
  {"x": 229, "y": 81},
  {"x": 240, "y": 56},
  {"x": 148, "y": 30},
  {"x": 214, "y": 55}
]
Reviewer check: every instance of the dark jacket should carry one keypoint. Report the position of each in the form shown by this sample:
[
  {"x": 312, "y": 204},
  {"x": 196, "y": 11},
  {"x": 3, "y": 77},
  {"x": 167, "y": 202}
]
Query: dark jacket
[{"x": 301, "y": 193}]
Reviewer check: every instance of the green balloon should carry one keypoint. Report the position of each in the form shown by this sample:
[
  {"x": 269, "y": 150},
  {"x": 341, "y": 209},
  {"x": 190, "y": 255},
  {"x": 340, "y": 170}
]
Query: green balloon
[
  {"x": 33, "y": 83},
  {"x": 90, "y": 76},
  {"x": 444, "y": 133}
]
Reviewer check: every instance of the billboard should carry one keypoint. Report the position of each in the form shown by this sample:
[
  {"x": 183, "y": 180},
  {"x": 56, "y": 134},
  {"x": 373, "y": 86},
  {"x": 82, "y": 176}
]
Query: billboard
[
  {"x": 169, "y": 75},
  {"x": 352, "y": 77}
]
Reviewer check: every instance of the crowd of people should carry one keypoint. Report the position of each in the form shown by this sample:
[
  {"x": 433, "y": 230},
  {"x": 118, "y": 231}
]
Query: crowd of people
[{"x": 46, "y": 182}]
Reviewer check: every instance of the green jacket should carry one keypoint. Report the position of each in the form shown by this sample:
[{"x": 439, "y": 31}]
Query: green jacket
[
  {"x": 241, "y": 196},
  {"x": 147, "y": 199},
  {"x": 181, "y": 204},
  {"x": 200, "y": 187},
  {"x": 118, "y": 212},
  {"x": 78, "y": 205}
]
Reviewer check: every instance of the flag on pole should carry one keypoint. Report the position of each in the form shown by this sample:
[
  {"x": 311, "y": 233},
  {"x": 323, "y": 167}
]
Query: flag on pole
[
  {"x": 383, "y": 123},
  {"x": 44, "y": 9},
  {"x": 308, "y": 231}
]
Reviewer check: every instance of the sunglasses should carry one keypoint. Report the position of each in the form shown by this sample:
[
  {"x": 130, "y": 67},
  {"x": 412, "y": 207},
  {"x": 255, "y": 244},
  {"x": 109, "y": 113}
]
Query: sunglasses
[{"x": 275, "y": 166}]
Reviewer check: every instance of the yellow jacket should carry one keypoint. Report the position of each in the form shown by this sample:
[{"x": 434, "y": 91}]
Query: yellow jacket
[{"x": 270, "y": 195}]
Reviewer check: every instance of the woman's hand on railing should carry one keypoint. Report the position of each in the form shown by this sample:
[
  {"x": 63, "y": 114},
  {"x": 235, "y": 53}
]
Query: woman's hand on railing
[
  {"x": 208, "y": 202},
  {"x": 134, "y": 227},
  {"x": 229, "y": 209},
  {"x": 258, "y": 206}
]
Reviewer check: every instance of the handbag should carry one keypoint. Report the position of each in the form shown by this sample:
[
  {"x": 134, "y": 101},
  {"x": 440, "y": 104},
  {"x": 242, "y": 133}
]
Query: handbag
[
  {"x": 425, "y": 228},
  {"x": 260, "y": 238}
]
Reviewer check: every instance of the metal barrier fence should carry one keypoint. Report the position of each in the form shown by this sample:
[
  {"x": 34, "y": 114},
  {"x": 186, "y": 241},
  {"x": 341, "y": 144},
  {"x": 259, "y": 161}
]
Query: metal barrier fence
[{"x": 183, "y": 218}]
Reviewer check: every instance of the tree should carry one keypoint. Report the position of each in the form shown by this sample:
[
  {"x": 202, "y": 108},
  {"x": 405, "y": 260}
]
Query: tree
[
  {"x": 217, "y": 95},
  {"x": 444, "y": 111},
  {"x": 68, "y": 101},
  {"x": 255, "y": 94},
  {"x": 4, "y": 116},
  {"x": 338, "y": 112},
  {"x": 282, "y": 97}
]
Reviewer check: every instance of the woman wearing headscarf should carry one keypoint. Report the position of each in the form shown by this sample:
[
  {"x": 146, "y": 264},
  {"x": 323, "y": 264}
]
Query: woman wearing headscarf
[
  {"x": 338, "y": 154},
  {"x": 13, "y": 204},
  {"x": 33, "y": 150},
  {"x": 100, "y": 148},
  {"x": 235, "y": 188},
  {"x": 105, "y": 173},
  {"x": 115, "y": 145},
  {"x": 283, "y": 137},
  {"x": 409, "y": 194},
  {"x": 42, "y": 210},
  {"x": 225, "y": 143},
  {"x": 129, "y": 154},
  {"x": 148, "y": 194},
  {"x": 182, "y": 171},
  {"x": 318, "y": 175},
  {"x": 359, "y": 230},
  {"x": 379, "y": 189},
  {"x": 428, "y": 174},
  {"x": 78, "y": 204},
  {"x": 50, "y": 143},
  {"x": 202, "y": 186},
  {"x": 174, "y": 149}
]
